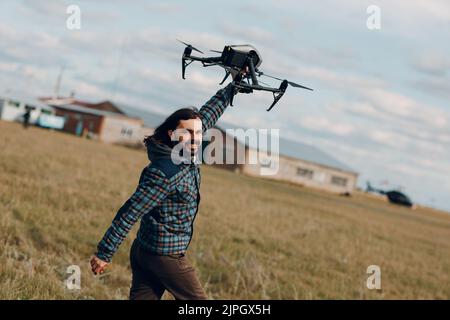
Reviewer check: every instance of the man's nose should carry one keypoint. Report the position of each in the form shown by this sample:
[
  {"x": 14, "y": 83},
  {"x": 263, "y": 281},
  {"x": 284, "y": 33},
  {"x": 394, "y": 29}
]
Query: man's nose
[{"x": 196, "y": 136}]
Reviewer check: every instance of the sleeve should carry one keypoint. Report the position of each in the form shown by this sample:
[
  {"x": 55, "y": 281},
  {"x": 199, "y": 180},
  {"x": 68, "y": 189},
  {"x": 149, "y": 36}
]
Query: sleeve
[
  {"x": 212, "y": 110},
  {"x": 151, "y": 191}
]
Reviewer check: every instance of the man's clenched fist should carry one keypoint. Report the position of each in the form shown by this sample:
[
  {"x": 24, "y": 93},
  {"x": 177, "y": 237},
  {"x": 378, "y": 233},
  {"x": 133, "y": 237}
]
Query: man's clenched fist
[{"x": 97, "y": 265}]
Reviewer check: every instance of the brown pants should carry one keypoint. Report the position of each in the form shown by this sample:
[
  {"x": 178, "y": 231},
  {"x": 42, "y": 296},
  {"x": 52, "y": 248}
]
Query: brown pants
[{"x": 153, "y": 274}]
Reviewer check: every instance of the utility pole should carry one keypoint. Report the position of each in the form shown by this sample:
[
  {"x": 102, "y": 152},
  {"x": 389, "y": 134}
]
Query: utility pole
[
  {"x": 58, "y": 82},
  {"x": 119, "y": 65}
]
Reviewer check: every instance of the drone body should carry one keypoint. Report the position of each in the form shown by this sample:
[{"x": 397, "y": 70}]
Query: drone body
[
  {"x": 237, "y": 56},
  {"x": 235, "y": 59}
]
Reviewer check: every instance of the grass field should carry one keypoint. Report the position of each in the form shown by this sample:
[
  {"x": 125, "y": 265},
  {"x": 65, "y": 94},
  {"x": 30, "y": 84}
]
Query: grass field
[{"x": 253, "y": 238}]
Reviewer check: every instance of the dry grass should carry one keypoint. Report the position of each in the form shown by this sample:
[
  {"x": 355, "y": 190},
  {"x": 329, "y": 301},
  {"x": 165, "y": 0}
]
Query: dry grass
[{"x": 253, "y": 238}]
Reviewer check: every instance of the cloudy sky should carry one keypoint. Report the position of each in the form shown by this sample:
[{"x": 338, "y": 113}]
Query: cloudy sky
[{"x": 381, "y": 99}]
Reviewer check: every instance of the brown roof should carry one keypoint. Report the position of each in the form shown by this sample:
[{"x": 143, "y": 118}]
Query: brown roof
[{"x": 104, "y": 106}]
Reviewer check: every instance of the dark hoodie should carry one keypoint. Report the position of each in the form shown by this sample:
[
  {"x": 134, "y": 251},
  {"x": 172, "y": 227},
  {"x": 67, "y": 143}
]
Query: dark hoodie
[{"x": 157, "y": 151}]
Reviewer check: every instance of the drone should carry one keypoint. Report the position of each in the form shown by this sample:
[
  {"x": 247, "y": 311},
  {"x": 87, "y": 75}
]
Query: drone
[{"x": 234, "y": 59}]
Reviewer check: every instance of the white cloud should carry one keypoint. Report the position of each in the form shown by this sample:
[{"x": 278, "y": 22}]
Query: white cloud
[
  {"x": 432, "y": 62},
  {"x": 44, "y": 8},
  {"x": 436, "y": 87},
  {"x": 406, "y": 108},
  {"x": 164, "y": 8},
  {"x": 252, "y": 34},
  {"x": 327, "y": 125},
  {"x": 416, "y": 17}
]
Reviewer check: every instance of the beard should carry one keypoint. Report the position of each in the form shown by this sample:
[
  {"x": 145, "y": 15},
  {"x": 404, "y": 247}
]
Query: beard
[{"x": 191, "y": 149}]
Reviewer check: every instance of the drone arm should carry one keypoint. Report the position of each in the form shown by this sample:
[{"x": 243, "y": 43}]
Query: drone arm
[{"x": 205, "y": 61}]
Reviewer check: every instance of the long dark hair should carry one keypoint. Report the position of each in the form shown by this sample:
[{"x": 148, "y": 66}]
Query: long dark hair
[{"x": 161, "y": 132}]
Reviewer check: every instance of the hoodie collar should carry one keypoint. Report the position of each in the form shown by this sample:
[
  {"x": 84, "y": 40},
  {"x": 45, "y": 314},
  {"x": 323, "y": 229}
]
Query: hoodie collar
[{"x": 157, "y": 150}]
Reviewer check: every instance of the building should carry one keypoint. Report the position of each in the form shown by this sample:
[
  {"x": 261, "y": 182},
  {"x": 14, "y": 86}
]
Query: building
[
  {"x": 14, "y": 106},
  {"x": 307, "y": 165},
  {"x": 151, "y": 119},
  {"x": 295, "y": 162},
  {"x": 102, "y": 121}
]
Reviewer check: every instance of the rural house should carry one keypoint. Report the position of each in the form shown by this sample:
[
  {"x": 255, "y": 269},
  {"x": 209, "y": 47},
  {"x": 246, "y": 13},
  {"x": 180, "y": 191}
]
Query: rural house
[
  {"x": 14, "y": 106},
  {"x": 298, "y": 163},
  {"x": 103, "y": 121}
]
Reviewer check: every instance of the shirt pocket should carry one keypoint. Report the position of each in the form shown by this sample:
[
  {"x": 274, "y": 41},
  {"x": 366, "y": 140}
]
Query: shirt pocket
[{"x": 186, "y": 191}]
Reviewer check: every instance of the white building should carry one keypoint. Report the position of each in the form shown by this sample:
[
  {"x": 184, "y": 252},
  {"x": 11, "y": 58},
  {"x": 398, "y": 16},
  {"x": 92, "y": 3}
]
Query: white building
[
  {"x": 13, "y": 107},
  {"x": 296, "y": 162}
]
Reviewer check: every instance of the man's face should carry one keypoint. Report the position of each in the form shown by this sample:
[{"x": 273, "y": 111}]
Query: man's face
[{"x": 190, "y": 134}]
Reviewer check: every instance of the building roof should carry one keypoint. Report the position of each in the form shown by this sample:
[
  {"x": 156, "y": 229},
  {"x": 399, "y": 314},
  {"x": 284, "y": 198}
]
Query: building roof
[
  {"x": 104, "y": 106},
  {"x": 310, "y": 153},
  {"x": 77, "y": 108},
  {"x": 25, "y": 98},
  {"x": 296, "y": 150}
]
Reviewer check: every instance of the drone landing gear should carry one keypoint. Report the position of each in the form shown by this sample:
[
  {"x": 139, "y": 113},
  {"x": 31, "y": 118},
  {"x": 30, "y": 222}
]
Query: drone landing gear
[
  {"x": 247, "y": 88},
  {"x": 187, "y": 52},
  {"x": 277, "y": 96}
]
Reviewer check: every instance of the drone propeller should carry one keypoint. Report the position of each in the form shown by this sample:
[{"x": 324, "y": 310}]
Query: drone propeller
[
  {"x": 217, "y": 51},
  {"x": 290, "y": 82},
  {"x": 189, "y": 46}
]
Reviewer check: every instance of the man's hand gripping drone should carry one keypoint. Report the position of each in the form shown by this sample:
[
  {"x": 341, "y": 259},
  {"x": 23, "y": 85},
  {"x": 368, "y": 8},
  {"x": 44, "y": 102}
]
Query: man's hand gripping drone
[{"x": 235, "y": 60}]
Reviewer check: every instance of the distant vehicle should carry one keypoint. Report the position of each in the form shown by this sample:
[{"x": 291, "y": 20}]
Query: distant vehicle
[
  {"x": 393, "y": 196},
  {"x": 50, "y": 121}
]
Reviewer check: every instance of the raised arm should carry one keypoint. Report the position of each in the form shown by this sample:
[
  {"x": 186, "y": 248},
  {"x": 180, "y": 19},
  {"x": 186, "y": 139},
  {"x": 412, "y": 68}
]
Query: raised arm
[
  {"x": 214, "y": 107},
  {"x": 152, "y": 189}
]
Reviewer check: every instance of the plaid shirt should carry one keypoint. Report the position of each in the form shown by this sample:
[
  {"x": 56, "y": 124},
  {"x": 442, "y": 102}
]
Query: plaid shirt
[{"x": 166, "y": 199}]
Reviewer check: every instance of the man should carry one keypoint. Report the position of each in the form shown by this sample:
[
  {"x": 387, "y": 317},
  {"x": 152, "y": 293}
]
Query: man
[
  {"x": 167, "y": 200},
  {"x": 26, "y": 117}
]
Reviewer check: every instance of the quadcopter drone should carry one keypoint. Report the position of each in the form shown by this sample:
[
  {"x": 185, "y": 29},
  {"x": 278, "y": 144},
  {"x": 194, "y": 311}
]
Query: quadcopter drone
[{"x": 235, "y": 59}]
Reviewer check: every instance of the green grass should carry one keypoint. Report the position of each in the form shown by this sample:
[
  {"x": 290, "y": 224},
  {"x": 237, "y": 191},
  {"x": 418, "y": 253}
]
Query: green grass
[{"x": 253, "y": 239}]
